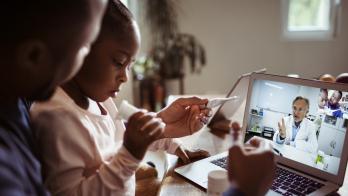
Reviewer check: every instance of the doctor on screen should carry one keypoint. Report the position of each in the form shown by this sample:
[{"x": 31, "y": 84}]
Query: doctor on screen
[{"x": 296, "y": 130}]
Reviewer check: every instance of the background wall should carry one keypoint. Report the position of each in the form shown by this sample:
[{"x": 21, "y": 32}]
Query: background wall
[{"x": 245, "y": 35}]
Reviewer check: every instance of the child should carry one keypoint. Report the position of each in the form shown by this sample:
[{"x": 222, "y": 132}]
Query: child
[
  {"x": 38, "y": 51},
  {"x": 323, "y": 98},
  {"x": 84, "y": 148}
]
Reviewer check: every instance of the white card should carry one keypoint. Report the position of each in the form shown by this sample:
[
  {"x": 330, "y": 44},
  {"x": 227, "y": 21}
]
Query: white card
[{"x": 219, "y": 101}]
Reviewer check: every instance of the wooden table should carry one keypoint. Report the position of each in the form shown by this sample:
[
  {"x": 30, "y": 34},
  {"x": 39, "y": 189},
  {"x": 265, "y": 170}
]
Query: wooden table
[{"x": 173, "y": 184}]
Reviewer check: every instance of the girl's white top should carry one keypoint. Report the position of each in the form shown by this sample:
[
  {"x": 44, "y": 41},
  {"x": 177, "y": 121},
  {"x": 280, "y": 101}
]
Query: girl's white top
[{"x": 82, "y": 152}]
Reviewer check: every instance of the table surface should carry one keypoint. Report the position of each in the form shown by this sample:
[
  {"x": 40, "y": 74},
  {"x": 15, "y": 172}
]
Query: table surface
[{"x": 173, "y": 184}]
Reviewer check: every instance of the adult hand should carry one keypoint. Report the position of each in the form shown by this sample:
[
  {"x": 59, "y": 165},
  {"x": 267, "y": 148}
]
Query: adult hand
[
  {"x": 282, "y": 129},
  {"x": 184, "y": 116},
  {"x": 142, "y": 129},
  {"x": 251, "y": 168},
  {"x": 186, "y": 156}
]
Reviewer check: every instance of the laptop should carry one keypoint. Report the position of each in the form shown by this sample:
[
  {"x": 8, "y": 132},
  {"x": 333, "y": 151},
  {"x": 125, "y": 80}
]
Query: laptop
[{"x": 300, "y": 171}]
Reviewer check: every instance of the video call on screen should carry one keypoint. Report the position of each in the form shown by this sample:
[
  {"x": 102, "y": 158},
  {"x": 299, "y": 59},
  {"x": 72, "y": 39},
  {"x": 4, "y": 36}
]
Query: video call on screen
[{"x": 310, "y": 130}]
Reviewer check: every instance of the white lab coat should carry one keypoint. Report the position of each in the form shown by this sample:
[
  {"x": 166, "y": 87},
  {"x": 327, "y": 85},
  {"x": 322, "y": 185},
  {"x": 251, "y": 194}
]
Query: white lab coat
[{"x": 305, "y": 139}]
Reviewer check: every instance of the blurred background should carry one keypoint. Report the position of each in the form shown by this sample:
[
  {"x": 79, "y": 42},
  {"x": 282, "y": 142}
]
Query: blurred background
[{"x": 217, "y": 41}]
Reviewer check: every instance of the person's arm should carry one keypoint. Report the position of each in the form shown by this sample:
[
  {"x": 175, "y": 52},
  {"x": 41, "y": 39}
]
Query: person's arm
[
  {"x": 338, "y": 113},
  {"x": 68, "y": 154},
  {"x": 277, "y": 139},
  {"x": 10, "y": 178}
]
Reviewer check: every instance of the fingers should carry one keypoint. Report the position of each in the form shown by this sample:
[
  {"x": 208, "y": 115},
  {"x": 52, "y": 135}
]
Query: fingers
[
  {"x": 281, "y": 127},
  {"x": 191, "y": 101},
  {"x": 197, "y": 154},
  {"x": 149, "y": 126},
  {"x": 249, "y": 148},
  {"x": 206, "y": 111},
  {"x": 144, "y": 119},
  {"x": 266, "y": 155},
  {"x": 136, "y": 116},
  {"x": 235, "y": 126},
  {"x": 236, "y": 133},
  {"x": 196, "y": 119},
  {"x": 203, "y": 114},
  {"x": 263, "y": 147},
  {"x": 235, "y": 154},
  {"x": 255, "y": 142},
  {"x": 156, "y": 134},
  {"x": 183, "y": 155},
  {"x": 148, "y": 120},
  {"x": 198, "y": 116},
  {"x": 203, "y": 118},
  {"x": 153, "y": 130},
  {"x": 235, "y": 151}
]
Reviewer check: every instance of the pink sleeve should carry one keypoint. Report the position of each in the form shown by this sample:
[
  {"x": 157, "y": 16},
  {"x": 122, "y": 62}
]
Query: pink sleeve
[{"x": 68, "y": 159}]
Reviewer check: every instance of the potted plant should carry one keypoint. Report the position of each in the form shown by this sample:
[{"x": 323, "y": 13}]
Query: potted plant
[{"x": 170, "y": 50}]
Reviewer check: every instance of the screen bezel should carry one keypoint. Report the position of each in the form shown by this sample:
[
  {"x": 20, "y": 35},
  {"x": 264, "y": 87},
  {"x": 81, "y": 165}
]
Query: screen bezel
[{"x": 337, "y": 179}]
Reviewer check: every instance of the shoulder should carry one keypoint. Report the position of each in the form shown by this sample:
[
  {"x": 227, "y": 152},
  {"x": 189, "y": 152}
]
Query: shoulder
[
  {"x": 53, "y": 114},
  {"x": 62, "y": 132},
  {"x": 59, "y": 121},
  {"x": 56, "y": 123},
  {"x": 58, "y": 112},
  {"x": 60, "y": 101}
]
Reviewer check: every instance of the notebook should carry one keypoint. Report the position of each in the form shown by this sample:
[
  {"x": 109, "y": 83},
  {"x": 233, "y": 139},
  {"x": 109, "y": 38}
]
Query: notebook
[{"x": 313, "y": 162}]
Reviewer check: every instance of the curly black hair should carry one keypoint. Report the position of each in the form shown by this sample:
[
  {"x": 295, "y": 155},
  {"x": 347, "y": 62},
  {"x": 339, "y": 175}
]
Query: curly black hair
[{"x": 117, "y": 16}]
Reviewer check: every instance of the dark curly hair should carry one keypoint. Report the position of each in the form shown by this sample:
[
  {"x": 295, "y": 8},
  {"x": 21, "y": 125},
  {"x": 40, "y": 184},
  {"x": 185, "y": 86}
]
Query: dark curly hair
[{"x": 117, "y": 17}]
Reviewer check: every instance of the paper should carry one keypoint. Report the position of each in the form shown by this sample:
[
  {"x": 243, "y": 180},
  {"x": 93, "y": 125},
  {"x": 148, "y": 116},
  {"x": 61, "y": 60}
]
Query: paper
[{"x": 219, "y": 101}]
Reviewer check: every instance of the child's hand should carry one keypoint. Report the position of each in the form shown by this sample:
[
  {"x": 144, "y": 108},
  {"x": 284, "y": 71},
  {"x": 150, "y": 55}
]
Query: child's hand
[
  {"x": 187, "y": 156},
  {"x": 142, "y": 129}
]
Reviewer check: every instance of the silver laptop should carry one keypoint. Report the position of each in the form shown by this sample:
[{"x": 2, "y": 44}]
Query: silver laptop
[{"x": 318, "y": 170}]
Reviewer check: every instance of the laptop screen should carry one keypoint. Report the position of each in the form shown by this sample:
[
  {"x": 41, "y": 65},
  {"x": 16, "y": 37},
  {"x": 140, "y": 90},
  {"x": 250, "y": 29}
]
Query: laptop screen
[{"x": 304, "y": 123}]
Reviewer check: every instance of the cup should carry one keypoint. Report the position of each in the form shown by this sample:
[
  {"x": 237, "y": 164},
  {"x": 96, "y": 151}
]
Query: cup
[{"x": 217, "y": 182}]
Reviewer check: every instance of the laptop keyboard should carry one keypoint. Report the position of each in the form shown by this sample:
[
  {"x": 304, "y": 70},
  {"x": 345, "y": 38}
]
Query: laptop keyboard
[
  {"x": 285, "y": 182},
  {"x": 289, "y": 183},
  {"x": 222, "y": 162}
]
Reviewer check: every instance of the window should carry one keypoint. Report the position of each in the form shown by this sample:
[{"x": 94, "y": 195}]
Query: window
[
  {"x": 132, "y": 6},
  {"x": 125, "y": 2},
  {"x": 310, "y": 19}
]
